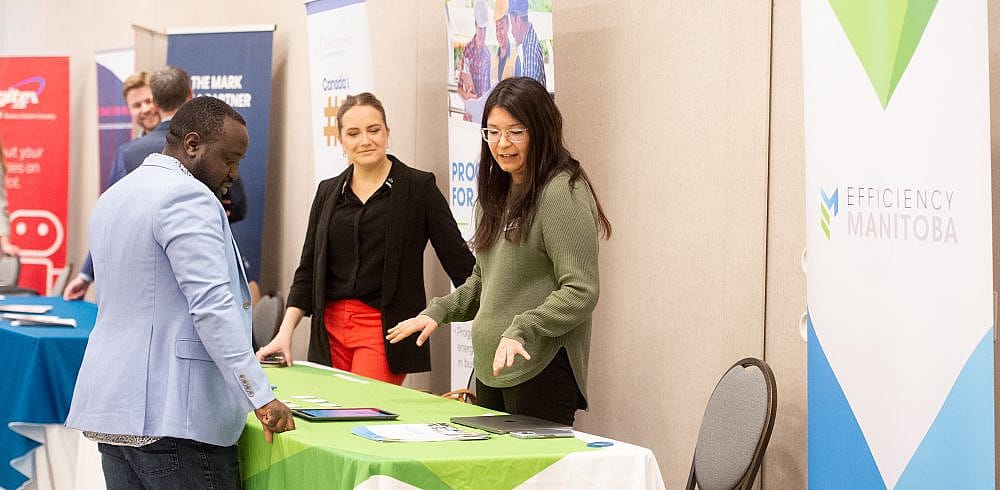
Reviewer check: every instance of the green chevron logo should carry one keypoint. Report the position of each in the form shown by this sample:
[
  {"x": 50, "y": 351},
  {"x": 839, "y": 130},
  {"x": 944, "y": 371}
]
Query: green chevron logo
[
  {"x": 829, "y": 206},
  {"x": 884, "y": 35}
]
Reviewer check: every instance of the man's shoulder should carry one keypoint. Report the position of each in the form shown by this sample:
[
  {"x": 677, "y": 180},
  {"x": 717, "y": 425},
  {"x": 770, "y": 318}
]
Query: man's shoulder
[
  {"x": 155, "y": 176},
  {"x": 122, "y": 148},
  {"x": 152, "y": 140},
  {"x": 156, "y": 190},
  {"x": 155, "y": 139}
]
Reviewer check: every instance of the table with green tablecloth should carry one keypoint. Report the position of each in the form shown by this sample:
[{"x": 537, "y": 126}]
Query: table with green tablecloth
[{"x": 328, "y": 455}]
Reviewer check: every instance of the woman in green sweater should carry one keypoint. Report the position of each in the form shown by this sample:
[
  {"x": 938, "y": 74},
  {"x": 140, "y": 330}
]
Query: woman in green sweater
[{"x": 536, "y": 280}]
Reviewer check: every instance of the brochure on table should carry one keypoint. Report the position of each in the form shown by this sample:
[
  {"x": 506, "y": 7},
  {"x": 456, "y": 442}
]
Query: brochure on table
[{"x": 416, "y": 433}]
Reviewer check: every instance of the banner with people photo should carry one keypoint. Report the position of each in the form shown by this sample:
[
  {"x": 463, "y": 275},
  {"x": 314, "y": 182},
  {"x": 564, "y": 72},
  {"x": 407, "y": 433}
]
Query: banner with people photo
[
  {"x": 898, "y": 220},
  {"x": 114, "y": 120},
  {"x": 489, "y": 41},
  {"x": 235, "y": 65},
  {"x": 34, "y": 131},
  {"x": 340, "y": 64}
]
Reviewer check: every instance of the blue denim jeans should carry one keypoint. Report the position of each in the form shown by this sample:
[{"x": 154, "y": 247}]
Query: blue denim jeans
[{"x": 169, "y": 464}]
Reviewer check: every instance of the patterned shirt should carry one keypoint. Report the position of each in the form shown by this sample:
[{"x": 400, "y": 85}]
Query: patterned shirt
[
  {"x": 530, "y": 62},
  {"x": 120, "y": 439},
  {"x": 477, "y": 61}
]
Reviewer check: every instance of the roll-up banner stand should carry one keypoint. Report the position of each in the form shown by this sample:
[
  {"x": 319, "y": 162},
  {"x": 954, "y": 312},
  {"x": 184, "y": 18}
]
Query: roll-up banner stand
[
  {"x": 340, "y": 64},
  {"x": 34, "y": 128},
  {"x": 898, "y": 220},
  {"x": 482, "y": 50},
  {"x": 114, "y": 121},
  {"x": 234, "y": 64}
]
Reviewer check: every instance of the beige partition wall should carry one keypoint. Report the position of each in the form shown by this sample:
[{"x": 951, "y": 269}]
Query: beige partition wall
[
  {"x": 786, "y": 465},
  {"x": 666, "y": 105},
  {"x": 150, "y": 48},
  {"x": 686, "y": 114}
]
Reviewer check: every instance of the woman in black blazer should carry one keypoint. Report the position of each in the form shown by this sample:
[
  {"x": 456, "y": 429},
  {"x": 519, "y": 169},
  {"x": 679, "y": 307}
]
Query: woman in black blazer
[{"x": 361, "y": 270}]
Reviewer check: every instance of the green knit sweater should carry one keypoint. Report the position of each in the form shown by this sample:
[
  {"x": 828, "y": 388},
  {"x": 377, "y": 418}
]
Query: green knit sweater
[{"x": 540, "y": 292}]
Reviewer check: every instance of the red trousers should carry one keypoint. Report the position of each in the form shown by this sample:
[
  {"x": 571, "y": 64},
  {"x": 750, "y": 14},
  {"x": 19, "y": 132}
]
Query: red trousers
[{"x": 357, "y": 343}]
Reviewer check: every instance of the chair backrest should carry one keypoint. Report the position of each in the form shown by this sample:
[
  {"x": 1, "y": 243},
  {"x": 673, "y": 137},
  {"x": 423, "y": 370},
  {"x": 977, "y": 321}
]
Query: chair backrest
[
  {"x": 736, "y": 428},
  {"x": 266, "y": 318},
  {"x": 467, "y": 394},
  {"x": 462, "y": 395},
  {"x": 10, "y": 269},
  {"x": 62, "y": 277}
]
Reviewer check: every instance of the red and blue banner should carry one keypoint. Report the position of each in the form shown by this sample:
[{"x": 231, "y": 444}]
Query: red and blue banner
[
  {"x": 114, "y": 122},
  {"x": 34, "y": 128},
  {"x": 235, "y": 66}
]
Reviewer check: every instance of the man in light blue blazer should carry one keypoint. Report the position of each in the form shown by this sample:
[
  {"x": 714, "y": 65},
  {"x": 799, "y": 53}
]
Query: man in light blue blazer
[{"x": 169, "y": 375}]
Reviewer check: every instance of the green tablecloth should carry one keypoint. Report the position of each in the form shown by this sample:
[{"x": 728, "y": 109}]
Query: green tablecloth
[{"x": 327, "y": 455}]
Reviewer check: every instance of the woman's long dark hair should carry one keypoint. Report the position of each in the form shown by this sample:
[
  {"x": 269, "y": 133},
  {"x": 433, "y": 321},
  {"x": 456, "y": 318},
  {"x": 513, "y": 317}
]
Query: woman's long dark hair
[{"x": 529, "y": 103}]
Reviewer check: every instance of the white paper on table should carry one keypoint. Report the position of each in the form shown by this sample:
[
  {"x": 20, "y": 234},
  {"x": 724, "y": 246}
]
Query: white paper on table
[
  {"x": 416, "y": 433},
  {"x": 36, "y": 309},
  {"x": 19, "y": 319}
]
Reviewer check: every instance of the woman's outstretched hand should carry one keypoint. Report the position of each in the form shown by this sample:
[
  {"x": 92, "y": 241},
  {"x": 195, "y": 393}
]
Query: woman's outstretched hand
[
  {"x": 504, "y": 357},
  {"x": 420, "y": 323}
]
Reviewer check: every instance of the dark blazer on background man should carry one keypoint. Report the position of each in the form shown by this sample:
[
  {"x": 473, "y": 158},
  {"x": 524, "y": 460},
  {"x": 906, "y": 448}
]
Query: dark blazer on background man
[
  {"x": 417, "y": 213},
  {"x": 140, "y": 148}
]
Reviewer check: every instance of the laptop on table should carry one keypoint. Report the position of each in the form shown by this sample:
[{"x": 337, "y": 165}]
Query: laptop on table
[{"x": 502, "y": 424}]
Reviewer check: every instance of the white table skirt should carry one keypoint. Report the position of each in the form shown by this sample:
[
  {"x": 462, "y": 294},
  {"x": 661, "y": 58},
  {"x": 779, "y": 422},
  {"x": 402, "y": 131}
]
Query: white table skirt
[
  {"x": 621, "y": 466},
  {"x": 635, "y": 468},
  {"x": 65, "y": 460}
]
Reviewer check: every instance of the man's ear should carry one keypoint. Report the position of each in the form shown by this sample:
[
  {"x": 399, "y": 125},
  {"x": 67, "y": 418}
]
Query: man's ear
[{"x": 192, "y": 144}]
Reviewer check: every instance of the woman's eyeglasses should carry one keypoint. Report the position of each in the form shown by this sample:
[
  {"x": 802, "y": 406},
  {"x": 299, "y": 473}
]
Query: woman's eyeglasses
[{"x": 492, "y": 135}]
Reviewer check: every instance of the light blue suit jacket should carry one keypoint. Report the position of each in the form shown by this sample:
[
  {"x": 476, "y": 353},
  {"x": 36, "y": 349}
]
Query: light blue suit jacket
[{"x": 170, "y": 354}]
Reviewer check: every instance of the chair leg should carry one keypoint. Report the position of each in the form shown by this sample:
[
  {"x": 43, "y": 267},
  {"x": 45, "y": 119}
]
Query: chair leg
[{"x": 691, "y": 482}]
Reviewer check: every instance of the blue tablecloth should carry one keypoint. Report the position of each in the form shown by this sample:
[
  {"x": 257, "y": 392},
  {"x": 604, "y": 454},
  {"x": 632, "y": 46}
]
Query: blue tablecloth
[{"x": 41, "y": 364}]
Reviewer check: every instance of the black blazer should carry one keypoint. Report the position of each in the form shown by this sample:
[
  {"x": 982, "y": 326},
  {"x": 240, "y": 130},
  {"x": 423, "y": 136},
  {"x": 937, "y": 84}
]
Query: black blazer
[{"x": 417, "y": 212}]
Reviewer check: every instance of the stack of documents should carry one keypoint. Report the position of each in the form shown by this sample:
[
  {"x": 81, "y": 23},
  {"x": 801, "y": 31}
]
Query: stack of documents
[
  {"x": 416, "y": 433},
  {"x": 24, "y": 320},
  {"x": 33, "y": 309}
]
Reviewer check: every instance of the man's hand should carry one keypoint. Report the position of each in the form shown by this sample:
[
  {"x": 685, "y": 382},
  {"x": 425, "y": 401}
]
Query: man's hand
[
  {"x": 76, "y": 289},
  {"x": 275, "y": 417}
]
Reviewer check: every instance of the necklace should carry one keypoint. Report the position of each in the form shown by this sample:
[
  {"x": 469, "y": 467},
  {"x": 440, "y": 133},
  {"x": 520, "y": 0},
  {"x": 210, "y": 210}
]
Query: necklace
[{"x": 180, "y": 165}]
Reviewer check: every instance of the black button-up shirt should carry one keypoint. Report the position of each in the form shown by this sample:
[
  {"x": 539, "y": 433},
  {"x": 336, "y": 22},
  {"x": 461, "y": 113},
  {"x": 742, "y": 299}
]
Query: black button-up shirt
[{"x": 356, "y": 253}]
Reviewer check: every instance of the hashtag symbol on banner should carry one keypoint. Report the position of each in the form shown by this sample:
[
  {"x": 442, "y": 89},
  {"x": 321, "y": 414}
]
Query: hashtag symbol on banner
[{"x": 330, "y": 113}]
